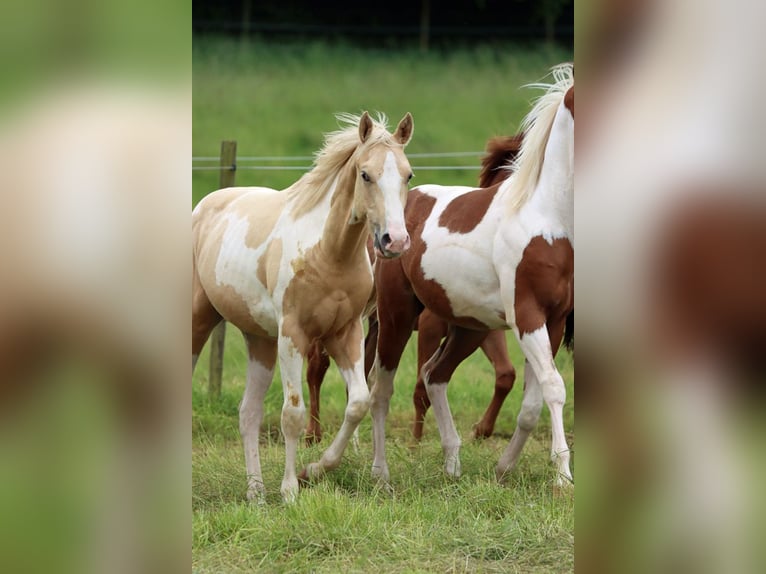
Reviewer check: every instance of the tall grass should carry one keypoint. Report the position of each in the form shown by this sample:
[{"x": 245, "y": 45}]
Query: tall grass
[{"x": 278, "y": 100}]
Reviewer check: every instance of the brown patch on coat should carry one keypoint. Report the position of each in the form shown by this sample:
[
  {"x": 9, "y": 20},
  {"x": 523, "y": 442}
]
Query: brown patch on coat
[
  {"x": 710, "y": 277},
  {"x": 569, "y": 100},
  {"x": 544, "y": 284},
  {"x": 500, "y": 152},
  {"x": 430, "y": 293},
  {"x": 262, "y": 350},
  {"x": 294, "y": 399},
  {"x": 466, "y": 211}
]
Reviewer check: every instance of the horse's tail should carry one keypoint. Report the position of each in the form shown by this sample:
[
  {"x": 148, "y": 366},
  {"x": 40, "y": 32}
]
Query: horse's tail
[
  {"x": 501, "y": 150},
  {"x": 568, "y": 341}
]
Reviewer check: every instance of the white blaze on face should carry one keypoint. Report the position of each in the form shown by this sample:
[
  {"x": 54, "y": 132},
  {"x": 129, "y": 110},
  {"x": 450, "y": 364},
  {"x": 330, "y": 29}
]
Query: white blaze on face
[{"x": 390, "y": 184}]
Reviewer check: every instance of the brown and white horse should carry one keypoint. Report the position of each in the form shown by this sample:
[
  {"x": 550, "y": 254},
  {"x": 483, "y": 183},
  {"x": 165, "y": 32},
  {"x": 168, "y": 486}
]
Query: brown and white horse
[
  {"x": 501, "y": 150},
  {"x": 508, "y": 264},
  {"x": 290, "y": 269}
]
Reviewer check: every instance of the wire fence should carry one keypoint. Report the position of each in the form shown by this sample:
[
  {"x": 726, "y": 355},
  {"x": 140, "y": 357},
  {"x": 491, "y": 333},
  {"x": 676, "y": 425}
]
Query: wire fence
[{"x": 254, "y": 162}]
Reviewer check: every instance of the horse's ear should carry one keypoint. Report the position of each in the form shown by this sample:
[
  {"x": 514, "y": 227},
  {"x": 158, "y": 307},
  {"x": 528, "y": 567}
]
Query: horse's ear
[
  {"x": 403, "y": 131},
  {"x": 365, "y": 127}
]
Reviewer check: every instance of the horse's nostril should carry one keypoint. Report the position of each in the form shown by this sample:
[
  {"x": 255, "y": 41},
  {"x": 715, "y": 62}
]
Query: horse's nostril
[{"x": 385, "y": 239}]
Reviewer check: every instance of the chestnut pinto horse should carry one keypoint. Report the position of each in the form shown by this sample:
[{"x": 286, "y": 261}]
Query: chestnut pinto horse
[
  {"x": 516, "y": 259},
  {"x": 501, "y": 151},
  {"x": 291, "y": 269},
  {"x": 432, "y": 329}
]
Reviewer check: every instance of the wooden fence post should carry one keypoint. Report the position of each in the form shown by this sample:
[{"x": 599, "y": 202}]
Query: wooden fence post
[{"x": 228, "y": 173}]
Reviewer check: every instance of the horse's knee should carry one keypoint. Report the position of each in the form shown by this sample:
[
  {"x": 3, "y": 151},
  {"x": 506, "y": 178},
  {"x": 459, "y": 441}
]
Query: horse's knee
[
  {"x": 505, "y": 379},
  {"x": 382, "y": 388},
  {"x": 528, "y": 418},
  {"x": 420, "y": 396},
  {"x": 293, "y": 420},
  {"x": 554, "y": 391},
  {"x": 356, "y": 409}
]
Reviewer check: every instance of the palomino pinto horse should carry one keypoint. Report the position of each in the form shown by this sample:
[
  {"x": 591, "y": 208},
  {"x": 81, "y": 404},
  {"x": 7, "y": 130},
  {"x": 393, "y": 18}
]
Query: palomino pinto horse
[
  {"x": 291, "y": 269},
  {"x": 515, "y": 252},
  {"x": 432, "y": 329}
]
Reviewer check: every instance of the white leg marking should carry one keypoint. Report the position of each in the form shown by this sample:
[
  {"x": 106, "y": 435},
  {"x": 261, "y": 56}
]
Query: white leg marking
[
  {"x": 531, "y": 405},
  {"x": 357, "y": 407},
  {"x": 293, "y": 412},
  {"x": 358, "y": 399},
  {"x": 437, "y": 393},
  {"x": 537, "y": 349},
  {"x": 250, "y": 416},
  {"x": 382, "y": 384}
]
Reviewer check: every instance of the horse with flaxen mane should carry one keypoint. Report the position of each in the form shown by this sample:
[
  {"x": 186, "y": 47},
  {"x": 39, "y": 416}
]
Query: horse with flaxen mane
[
  {"x": 513, "y": 243},
  {"x": 501, "y": 150},
  {"x": 290, "y": 269}
]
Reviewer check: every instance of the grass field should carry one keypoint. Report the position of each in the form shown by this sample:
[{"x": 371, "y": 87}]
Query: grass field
[{"x": 278, "y": 101}]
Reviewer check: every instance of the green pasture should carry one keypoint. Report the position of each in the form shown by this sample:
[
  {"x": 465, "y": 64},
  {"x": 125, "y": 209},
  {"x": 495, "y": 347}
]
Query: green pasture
[{"x": 278, "y": 100}]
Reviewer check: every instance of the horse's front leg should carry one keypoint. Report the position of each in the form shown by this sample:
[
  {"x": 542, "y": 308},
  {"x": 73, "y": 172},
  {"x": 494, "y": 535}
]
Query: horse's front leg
[
  {"x": 536, "y": 346},
  {"x": 293, "y": 411},
  {"x": 347, "y": 349}
]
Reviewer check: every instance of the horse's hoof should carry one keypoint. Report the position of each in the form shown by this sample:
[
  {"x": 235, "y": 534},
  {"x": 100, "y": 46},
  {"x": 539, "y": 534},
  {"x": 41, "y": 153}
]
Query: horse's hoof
[
  {"x": 563, "y": 488},
  {"x": 480, "y": 432},
  {"x": 290, "y": 493},
  {"x": 309, "y": 474},
  {"x": 255, "y": 496},
  {"x": 380, "y": 473},
  {"x": 452, "y": 467}
]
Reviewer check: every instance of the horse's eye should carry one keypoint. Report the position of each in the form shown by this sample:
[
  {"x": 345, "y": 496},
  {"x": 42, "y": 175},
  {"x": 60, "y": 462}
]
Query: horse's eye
[
  {"x": 365, "y": 177},
  {"x": 409, "y": 177}
]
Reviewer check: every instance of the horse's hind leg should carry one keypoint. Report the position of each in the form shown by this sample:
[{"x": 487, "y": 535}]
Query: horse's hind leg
[
  {"x": 431, "y": 331},
  {"x": 494, "y": 347},
  {"x": 458, "y": 345},
  {"x": 318, "y": 363},
  {"x": 204, "y": 319},
  {"x": 262, "y": 354}
]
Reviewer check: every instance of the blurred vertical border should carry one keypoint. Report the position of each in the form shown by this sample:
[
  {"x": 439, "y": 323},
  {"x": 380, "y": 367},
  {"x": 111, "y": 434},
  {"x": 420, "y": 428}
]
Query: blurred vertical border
[
  {"x": 670, "y": 214},
  {"x": 95, "y": 141}
]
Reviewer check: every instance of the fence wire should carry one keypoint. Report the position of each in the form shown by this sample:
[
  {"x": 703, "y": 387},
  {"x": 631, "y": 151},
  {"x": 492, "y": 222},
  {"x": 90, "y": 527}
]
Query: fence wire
[{"x": 267, "y": 158}]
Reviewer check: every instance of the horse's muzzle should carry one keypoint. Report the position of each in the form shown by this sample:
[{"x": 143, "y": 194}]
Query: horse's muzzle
[{"x": 388, "y": 247}]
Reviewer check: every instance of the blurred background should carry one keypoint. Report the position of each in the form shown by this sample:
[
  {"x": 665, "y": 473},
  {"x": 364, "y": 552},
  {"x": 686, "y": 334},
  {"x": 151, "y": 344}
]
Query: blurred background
[{"x": 273, "y": 75}]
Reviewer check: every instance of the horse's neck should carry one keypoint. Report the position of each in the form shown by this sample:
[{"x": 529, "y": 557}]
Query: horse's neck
[
  {"x": 341, "y": 239},
  {"x": 554, "y": 193}
]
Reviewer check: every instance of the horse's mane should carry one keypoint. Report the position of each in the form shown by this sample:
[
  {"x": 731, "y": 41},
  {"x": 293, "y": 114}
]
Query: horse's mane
[
  {"x": 501, "y": 150},
  {"x": 536, "y": 128},
  {"x": 339, "y": 146}
]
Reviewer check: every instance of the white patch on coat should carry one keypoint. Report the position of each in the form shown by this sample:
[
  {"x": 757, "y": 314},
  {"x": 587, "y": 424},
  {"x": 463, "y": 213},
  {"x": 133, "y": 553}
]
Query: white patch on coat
[
  {"x": 489, "y": 254},
  {"x": 390, "y": 184},
  {"x": 236, "y": 262},
  {"x": 235, "y": 267}
]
